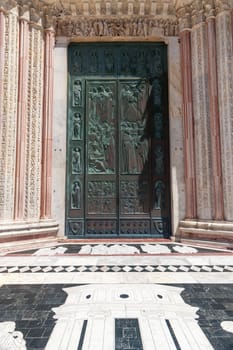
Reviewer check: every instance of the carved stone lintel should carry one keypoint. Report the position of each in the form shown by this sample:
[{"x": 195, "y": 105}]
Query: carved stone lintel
[{"x": 112, "y": 26}]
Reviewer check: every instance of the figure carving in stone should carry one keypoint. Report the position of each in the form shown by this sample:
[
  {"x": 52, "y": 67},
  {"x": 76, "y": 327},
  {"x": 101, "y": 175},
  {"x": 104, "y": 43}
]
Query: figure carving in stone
[
  {"x": 159, "y": 195},
  {"x": 77, "y": 93},
  {"x": 159, "y": 161},
  {"x": 76, "y": 160},
  {"x": 77, "y": 126},
  {"x": 76, "y": 195}
]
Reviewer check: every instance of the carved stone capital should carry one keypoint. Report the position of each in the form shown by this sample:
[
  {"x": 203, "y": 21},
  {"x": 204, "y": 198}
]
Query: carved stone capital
[
  {"x": 197, "y": 12},
  {"x": 223, "y": 5},
  {"x": 209, "y": 7},
  {"x": 6, "y": 6},
  {"x": 184, "y": 18}
]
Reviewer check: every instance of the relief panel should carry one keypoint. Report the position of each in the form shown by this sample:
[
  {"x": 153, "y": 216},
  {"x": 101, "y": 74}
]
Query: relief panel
[{"x": 101, "y": 129}]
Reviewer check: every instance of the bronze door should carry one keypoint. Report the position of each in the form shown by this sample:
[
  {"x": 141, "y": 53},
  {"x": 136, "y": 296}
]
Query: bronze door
[{"x": 118, "y": 141}]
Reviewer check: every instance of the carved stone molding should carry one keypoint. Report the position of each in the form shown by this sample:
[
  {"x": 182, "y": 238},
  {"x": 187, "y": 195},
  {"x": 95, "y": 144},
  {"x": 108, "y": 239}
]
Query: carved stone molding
[{"x": 124, "y": 26}]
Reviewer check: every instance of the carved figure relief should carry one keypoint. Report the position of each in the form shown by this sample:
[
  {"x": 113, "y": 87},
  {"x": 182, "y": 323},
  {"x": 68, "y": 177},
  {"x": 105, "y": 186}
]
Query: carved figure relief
[
  {"x": 76, "y": 160},
  {"x": 159, "y": 195},
  {"x": 137, "y": 26},
  {"x": 159, "y": 161},
  {"x": 77, "y": 93},
  {"x": 101, "y": 133},
  {"x": 101, "y": 189},
  {"x": 76, "y": 196},
  {"x": 77, "y": 126}
]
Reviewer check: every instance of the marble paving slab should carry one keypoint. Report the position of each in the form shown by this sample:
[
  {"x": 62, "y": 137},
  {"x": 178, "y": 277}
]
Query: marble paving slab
[{"x": 160, "y": 301}]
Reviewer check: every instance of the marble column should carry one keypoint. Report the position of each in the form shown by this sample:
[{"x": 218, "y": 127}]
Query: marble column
[
  {"x": 201, "y": 121},
  {"x": 218, "y": 210},
  {"x": 46, "y": 171},
  {"x": 9, "y": 58},
  {"x": 188, "y": 125},
  {"x": 225, "y": 93},
  {"x": 21, "y": 119},
  {"x": 2, "y": 53},
  {"x": 34, "y": 121}
]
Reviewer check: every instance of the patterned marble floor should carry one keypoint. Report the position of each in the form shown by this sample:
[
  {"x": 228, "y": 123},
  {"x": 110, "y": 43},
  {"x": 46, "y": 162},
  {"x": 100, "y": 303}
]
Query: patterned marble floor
[{"x": 116, "y": 296}]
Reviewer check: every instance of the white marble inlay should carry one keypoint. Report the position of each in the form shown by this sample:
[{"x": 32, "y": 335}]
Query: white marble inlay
[
  {"x": 9, "y": 338},
  {"x": 227, "y": 326},
  {"x": 155, "y": 249},
  {"x": 185, "y": 250},
  {"x": 102, "y": 249},
  {"x": 50, "y": 251},
  {"x": 101, "y": 304}
]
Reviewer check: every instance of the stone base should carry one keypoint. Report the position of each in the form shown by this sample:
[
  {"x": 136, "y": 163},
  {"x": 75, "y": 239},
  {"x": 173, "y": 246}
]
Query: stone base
[
  {"x": 15, "y": 231},
  {"x": 207, "y": 231}
]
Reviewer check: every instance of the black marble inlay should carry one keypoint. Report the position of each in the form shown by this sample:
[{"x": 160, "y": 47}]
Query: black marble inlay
[
  {"x": 127, "y": 334},
  {"x": 173, "y": 335},
  {"x": 215, "y": 303},
  {"x": 115, "y": 268},
  {"x": 30, "y": 307},
  {"x": 82, "y": 336}
]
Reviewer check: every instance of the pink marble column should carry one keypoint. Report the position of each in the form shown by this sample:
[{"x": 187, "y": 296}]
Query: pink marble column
[
  {"x": 188, "y": 125},
  {"x": 46, "y": 171},
  {"x": 21, "y": 120},
  {"x": 214, "y": 121},
  {"x": 2, "y": 49}
]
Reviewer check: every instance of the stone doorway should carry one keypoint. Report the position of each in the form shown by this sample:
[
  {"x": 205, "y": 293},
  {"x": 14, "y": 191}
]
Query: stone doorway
[{"x": 118, "y": 181}]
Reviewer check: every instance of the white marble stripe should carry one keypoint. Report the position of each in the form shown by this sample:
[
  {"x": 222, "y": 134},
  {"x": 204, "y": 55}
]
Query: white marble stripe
[
  {"x": 187, "y": 328},
  {"x": 168, "y": 335},
  {"x": 194, "y": 328},
  {"x": 97, "y": 334},
  {"x": 57, "y": 335},
  {"x": 109, "y": 334},
  {"x": 158, "y": 334},
  {"x": 146, "y": 334},
  {"x": 117, "y": 260},
  {"x": 184, "y": 339},
  {"x": 157, "y": 277},
  {"x": 75, "y": 335},
  {"x": 88, "y": 335}
]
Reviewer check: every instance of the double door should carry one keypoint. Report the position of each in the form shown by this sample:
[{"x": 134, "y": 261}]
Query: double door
[{"x": 118, "y": 154}]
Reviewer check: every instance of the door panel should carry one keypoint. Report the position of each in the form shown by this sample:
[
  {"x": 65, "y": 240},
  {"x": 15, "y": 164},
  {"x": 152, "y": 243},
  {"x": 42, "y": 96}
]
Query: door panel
[{"x": 118, "y": 142}]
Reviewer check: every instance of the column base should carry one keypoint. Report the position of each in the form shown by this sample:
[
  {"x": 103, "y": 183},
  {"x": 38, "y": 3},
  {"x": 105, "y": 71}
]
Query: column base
[
  {"x": 205, "y": 230},
  {"x": 22, "y": 230}
]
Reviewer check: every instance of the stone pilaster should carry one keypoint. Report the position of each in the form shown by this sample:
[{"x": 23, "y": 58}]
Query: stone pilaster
[
  {"x": 188, "y": 124},
  {"x": 225, "y": 89},
  {"x": 201, "y": 122},
  {"x": 46, "y": 171},
  {"x": 9, "y": 56},
  {"x": 34, "y": 120},
  {"x": 21, "y": 118},
  {"x": 218, "y": 210},
  {"x": 2, "y": 55}
]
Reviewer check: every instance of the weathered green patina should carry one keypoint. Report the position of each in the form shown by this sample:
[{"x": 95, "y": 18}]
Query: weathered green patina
[{"x": 118, "y": 141}]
